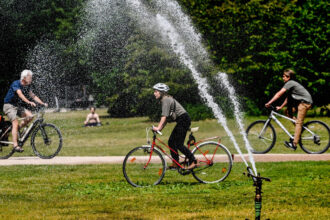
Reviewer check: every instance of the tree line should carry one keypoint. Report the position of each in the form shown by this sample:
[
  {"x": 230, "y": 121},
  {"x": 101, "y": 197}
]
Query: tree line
[{"x": 253, "y": 41}]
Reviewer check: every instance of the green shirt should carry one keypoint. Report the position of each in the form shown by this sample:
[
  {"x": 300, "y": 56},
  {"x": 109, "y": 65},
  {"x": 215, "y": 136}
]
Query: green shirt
[
  {"x": 297, "y": 91},
  {"x": 167, "y": 103}
]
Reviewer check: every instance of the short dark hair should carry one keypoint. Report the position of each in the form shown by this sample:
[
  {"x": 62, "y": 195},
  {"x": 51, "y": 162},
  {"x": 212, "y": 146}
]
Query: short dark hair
[
  {"x": 290, "y": 73},
  {"x": 92, "y": 107}
]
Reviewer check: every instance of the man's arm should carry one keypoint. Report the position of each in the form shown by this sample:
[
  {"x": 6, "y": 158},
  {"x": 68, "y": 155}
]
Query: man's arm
[
  {"x": 36, "y": 98},
  {"x": 283, "y": 104},
  {"x": 87, "y": 119},
  {"x": 276, "y": 96},
  {"x": 22, "y": 96},
  {"x": 98, "y": 118}
]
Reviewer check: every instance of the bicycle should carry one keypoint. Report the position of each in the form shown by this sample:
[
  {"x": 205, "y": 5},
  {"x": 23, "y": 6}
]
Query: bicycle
[
  {"x": 145, "y": 165},
  {"x": 46, "y": 139},
  {"x": 315, "y": 135}
]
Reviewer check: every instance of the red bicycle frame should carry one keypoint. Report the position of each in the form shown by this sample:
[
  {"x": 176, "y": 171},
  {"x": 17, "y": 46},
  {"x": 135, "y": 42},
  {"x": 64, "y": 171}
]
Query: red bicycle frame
[{"x": 191, "y": 142}]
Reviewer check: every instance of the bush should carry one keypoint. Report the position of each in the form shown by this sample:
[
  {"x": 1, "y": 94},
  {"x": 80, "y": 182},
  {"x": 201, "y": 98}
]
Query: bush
[
  {"x": 251, "y": 108},
  {"x": 199, "y": 112}
]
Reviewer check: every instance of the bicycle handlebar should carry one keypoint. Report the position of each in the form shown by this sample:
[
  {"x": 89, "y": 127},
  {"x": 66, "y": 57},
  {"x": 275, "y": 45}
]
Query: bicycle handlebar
[
  {"x": 271, "y": 107},
  {"x": 158, "y": 132}
]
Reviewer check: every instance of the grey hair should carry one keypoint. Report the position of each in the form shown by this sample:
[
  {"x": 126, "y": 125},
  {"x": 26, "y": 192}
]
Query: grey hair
[{"x": 25, "y": 73}]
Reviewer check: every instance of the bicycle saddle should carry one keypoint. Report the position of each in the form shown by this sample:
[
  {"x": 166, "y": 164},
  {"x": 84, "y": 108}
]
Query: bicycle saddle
[{"x": 194, "y": 129}]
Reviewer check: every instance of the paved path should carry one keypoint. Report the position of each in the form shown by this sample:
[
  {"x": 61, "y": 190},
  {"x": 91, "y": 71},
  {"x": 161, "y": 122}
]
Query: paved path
[{"x": 119, "y": 159}]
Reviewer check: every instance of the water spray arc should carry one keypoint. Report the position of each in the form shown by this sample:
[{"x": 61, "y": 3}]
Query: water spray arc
[
  {"x": 223, "y": 77},
  {"x": 169, "y": 32},
  {"x": 161, "y": 23}
]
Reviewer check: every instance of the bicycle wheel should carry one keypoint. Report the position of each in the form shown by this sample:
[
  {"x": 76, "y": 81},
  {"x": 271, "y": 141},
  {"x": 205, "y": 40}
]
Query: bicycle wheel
[
  {"x": 46, "y": 141},
  {"x": 261, "y": 139},
  {"x": 6, "y": 149},
  {"x": 315, "y": 137},
  {"x": 139, "y": 171},
  {"x": 215, "y": 162}
]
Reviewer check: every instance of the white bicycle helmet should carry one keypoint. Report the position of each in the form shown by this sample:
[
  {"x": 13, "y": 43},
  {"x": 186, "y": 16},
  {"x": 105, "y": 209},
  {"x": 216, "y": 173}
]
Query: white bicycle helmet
[{"x": 161, "y": 87}]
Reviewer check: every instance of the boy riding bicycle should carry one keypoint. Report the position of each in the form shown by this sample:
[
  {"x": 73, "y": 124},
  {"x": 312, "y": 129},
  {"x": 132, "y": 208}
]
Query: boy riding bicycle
[
  {"x": 173, "y": 111},
  {"x": 298, "y": 98},
  {"x": 15, "y": 104}
]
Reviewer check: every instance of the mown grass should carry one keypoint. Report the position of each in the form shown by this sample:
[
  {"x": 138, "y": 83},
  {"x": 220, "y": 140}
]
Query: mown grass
[
  {"x": 299, "y": 190},
  {"x": 118, "y": 135}
]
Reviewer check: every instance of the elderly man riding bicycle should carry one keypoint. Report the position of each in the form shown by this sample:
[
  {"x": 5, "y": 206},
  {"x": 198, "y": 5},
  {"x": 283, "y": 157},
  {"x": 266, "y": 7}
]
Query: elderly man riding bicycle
[{"x": 15, "y": 104}]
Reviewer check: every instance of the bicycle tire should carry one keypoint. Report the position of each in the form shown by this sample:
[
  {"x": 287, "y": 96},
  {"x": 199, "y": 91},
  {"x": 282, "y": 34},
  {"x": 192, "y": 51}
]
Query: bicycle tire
[
  {"x": 318, "y": 143},
  {"x": 7, "y": 150},
  {"x": 261, "y": 144},
  {"x": 215, "y": 162},
  {"x": 46, "y": 141},
  {"x": 137, "y": 173}
]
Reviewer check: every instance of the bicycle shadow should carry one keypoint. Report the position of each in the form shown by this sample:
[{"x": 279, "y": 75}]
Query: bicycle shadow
[{"x": 178, "y": 184}]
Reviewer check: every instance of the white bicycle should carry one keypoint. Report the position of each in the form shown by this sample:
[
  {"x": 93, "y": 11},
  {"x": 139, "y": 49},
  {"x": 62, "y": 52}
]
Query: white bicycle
[{"x": 315, "y": 135}]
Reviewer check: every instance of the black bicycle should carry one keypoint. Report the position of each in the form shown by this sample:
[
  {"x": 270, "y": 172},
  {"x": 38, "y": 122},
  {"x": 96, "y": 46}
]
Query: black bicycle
[{"x": 46, "y": 139}]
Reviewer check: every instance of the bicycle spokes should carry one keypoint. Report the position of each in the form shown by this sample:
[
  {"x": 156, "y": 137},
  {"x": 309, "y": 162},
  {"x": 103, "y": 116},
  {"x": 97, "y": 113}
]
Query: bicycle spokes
[
  {"x": 315, "y": 137},
  {"x": 261, "y": 136},
  {"x": 46, "y": 141},
  {"x": 215, "y": 162},
  {"x": 141, "y": 168}
]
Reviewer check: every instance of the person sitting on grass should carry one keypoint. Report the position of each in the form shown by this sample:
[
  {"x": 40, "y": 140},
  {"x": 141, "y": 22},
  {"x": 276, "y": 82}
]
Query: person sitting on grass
[
  {"x": 92, "y": 119},
  {"x": 173, "y": 111},
  {"x": 298, "y": 98},
  {"x": 16, "y": 103}
]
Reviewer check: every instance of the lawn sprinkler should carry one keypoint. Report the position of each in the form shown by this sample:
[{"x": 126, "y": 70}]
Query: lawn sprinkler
[{"x": 257, "y": 182}]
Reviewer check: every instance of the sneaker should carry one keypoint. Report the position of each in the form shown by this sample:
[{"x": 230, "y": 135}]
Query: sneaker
[{"x": 290, "y": 145}]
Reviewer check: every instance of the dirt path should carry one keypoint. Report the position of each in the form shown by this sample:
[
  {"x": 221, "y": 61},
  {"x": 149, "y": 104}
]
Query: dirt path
[{"x": 119, "y": 159}]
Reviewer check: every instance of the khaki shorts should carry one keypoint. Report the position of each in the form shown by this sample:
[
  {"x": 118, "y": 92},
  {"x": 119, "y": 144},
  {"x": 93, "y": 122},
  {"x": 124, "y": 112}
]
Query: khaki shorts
[{"x": 12, "y": 111}]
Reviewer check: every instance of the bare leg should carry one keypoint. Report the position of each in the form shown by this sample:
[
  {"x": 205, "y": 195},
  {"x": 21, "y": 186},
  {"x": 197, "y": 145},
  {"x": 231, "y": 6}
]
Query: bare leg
[
  {"x": 14, "y": 132},
  {"x": 28, "y": 118}
]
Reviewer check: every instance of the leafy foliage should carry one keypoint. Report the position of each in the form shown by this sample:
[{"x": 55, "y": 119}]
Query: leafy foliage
[
  {"x": 256, "y": 40},
  {"x": 252, "y": 40},
  {"x": 23, "y": 23}
]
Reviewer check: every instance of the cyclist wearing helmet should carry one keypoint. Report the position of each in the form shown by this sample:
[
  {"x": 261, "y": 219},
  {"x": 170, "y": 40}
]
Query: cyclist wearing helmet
[{"x": 172, "y": 110}]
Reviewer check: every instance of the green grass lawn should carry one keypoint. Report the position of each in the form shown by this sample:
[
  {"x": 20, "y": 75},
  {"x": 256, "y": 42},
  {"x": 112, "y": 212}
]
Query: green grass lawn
[
  {"x": 118, "y": 135},
  {"x": 299, "y": 190}
]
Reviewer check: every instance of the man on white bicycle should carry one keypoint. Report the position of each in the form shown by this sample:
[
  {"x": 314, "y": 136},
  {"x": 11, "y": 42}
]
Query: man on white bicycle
[
  {"x": 14, "y": 104},
  {"x": 298, "y": 98}
]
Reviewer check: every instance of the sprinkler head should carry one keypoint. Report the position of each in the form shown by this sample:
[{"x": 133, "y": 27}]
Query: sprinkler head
[{"x": 250, "y": 173}]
